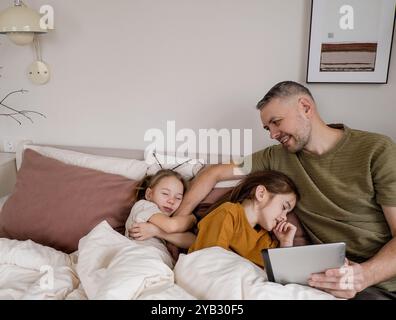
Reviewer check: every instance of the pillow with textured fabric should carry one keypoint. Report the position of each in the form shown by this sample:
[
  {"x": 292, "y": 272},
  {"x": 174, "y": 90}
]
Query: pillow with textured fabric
[
  {"x": 202, "y": 210},
  {"x": 56, "y": 204}
]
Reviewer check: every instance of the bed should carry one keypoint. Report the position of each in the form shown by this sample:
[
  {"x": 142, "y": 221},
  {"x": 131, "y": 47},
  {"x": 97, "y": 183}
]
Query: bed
[{"x": 61, "y": 236}]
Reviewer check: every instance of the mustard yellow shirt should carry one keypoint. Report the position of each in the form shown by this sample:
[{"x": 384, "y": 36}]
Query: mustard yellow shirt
[{"x": 227, "y": 226}]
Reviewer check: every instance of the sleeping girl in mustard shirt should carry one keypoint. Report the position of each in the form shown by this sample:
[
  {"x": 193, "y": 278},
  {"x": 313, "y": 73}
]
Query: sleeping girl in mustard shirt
[{"x": 242, "y": 220}]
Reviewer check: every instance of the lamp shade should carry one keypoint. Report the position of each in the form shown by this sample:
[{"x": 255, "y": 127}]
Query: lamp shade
[{"x": 20, "y": 23}]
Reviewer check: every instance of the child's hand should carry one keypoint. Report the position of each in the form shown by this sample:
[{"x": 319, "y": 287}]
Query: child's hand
[
  {"x": 285, "y": 232},
  {"x": 143, "y": 231}
]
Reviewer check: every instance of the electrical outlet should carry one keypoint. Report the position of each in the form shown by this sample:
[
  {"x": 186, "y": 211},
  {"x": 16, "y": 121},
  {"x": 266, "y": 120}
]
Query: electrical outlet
[
  {"x": 9, "y": 146},
  {"x": 38, "y": 72}
]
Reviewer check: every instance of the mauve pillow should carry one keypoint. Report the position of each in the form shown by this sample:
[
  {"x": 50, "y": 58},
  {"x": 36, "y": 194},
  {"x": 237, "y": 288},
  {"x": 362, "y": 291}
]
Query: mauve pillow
[
  {"x": 201, "y": 211},
  {"x": 2, "y": 233},
  {"x": 56, "y": 204}
]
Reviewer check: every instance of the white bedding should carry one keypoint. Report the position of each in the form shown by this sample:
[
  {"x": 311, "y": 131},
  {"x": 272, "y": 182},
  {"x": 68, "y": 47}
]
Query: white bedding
[
  {"x": 106, "y": 266},
  {"x": 217, "y": 274},
  {"x": 26, "y": 270},
  {"x": 110, "y": 266}
]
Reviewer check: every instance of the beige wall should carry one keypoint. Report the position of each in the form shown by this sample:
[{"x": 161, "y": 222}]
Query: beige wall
[{"x": 121, "y": 67}]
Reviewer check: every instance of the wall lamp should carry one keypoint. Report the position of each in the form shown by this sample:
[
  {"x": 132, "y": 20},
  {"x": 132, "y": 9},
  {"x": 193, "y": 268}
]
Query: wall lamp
[{"x": 20, "y": 23}]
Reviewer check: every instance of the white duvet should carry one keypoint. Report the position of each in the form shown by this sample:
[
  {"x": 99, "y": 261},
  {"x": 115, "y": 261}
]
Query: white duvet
[
  {"x": 106, "y": 266},
  {"x": 110, "y": 266},
  {"x": 217, "y": 274}
]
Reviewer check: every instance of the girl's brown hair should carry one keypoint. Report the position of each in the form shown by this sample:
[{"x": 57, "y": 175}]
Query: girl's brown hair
[
  {"x": 152, "y": 181},
  {"x": 274, "y": 181}
]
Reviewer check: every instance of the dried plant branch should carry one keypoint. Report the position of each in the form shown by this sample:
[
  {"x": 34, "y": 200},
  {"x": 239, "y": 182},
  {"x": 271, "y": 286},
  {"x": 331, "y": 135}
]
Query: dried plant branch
[{"x": 15, "y": 112}]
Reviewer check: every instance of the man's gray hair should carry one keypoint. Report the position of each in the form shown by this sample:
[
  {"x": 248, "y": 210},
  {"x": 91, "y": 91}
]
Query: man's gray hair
[{"x": 282, "y": 90}]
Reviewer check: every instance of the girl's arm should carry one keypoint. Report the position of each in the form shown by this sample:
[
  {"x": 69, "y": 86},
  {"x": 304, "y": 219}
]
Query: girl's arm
[
  {"x": 146, "y": 230},
  {"x": 173, "y": 224}
]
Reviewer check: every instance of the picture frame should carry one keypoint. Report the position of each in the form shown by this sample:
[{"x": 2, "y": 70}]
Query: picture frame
[{"x": 350, "y": 42}]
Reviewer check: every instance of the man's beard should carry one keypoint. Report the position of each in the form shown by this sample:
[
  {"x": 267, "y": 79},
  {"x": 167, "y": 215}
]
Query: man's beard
[
  {"x": 299, "y": 144},
  {"x": 300, "y": 139}
]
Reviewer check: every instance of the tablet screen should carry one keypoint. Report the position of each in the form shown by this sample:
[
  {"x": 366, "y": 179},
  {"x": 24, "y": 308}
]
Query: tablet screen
[{"x": 296, "y": 264}]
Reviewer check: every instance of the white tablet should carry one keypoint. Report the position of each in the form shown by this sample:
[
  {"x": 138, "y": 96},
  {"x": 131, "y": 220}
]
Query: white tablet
[{"x": 296, "y": 264}]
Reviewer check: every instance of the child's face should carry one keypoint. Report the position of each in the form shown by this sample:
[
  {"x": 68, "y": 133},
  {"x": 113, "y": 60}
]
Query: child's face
[
  {"x": 272, "y": 211},
  {"x": 167, "y": 194}
]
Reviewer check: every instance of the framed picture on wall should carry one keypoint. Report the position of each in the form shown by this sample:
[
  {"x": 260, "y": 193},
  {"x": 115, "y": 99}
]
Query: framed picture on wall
[{"x": 350, "y": 41}]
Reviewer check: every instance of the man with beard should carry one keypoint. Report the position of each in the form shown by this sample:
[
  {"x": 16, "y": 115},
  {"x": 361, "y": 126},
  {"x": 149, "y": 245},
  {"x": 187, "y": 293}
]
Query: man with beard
[{"x": 347, "y": 182}]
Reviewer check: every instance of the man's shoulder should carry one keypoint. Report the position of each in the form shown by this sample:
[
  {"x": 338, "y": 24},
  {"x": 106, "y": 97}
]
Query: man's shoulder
[
  {"x": 273, "y": 155},
  {"x": 273, "y": 150},
  {"x": 370, "y": 138}
]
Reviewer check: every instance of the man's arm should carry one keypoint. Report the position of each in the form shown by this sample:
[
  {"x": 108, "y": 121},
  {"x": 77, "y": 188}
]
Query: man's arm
[
  {"x": 204, "y": 182},
  {"x": 353, "y": 278},
  {"x": 173, "y": 224},
  {"x": 180, "y": 239},
  {"x": 146, "y": 230},
  {"x": 382, "y": 266}
]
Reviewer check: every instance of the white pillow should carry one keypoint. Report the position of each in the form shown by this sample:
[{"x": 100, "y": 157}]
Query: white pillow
[
  {"x": 129, "y": 168},
  {"x": 187, "y": 167}
]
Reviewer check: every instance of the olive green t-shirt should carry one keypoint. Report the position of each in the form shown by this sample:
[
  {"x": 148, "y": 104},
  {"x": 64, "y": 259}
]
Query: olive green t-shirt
[{"x": 342, "y": 190}]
